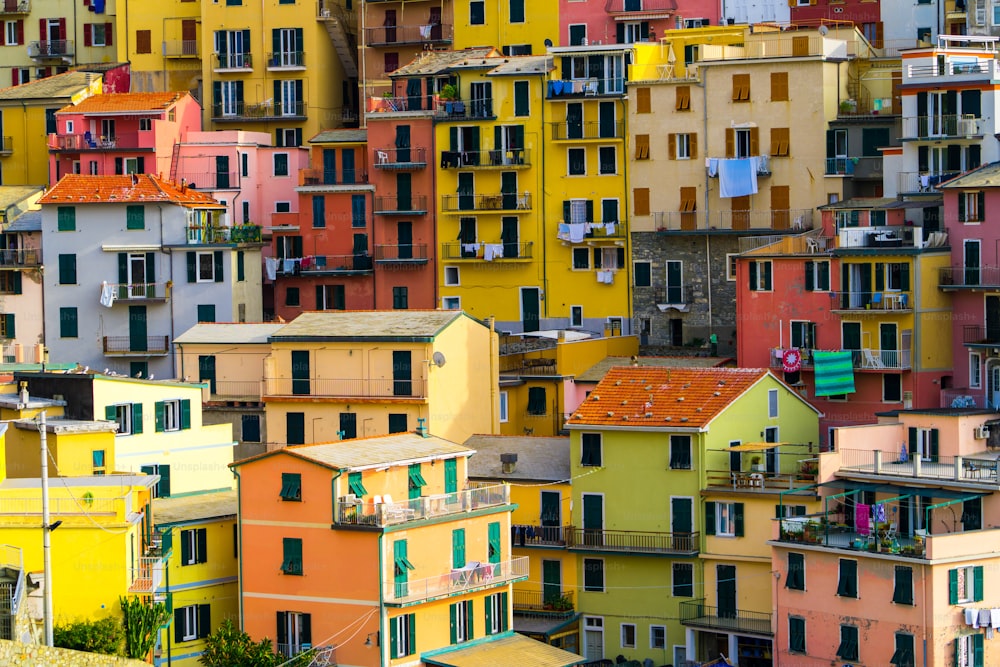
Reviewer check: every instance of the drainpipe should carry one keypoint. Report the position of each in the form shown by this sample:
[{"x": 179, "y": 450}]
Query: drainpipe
[
  {"x": 239, "y": 538},
  {"x": 708, "y": 257}
]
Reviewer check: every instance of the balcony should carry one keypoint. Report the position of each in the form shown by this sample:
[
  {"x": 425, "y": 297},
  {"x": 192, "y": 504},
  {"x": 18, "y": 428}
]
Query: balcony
[
  {"x": 400, "y": 205},
  {"x": 678, "y": 297},
  {"x": 649, "y": 9},
  {"x": 473, "y": 577},
  {"x": 379, "y": 514},
  {"x": 397, "y": 35},
  {"x": 506, "y": 201},
  {"x": 632, "y": 542},
  {"x": 389, "y": 103},
  {"x": 406, "y": 253},
  {"x": 695, "y": 613},
  {"x": 574, "y": 233},
  {"x": 148, "y": 576},
  {"x": 896, "y": 236},
  {"x": 213, "y": 235},
  {"x": 866, "y": 359},
  {"x": 6, "y": 145},
  {"x": 916, "y": 182},
  {"x": 212, "y": 180},
  {"x": 872, "y": 302},
  {"x": 591, "y": 129},
  {"x": 761, "y": 164},
  {"x": 839, "y": 166},
  {"x": 809, "y": 243},
  {"x": 941, "y": 127},
  {"x": 487, "y": 252},
  {"x": 401, "y": 159},
  {"x": 458, "y": 110},
  {"x": 234, "y": 390},
  {"x": 513, "y": 158},
  {"x": 317, "y": 179},
  {"x": 232, "y": 62},
  {"x": 976, "y": 334},
  {"x": 888, "y": 463},
  {"x": 763, "y": 482},
  {"x": 375, "y": 388},
  {"x": 14, "y": 7},
  {"x": 793, "y": 220},
  {"x": 182, "y": 48},
  {"x": 85, "y": 142},
  {"x": 537, "y": 603},
  {"x": 954, "y": 70},
  {"x": 26, "y": 257},
  {"x": 144, "y": 292},
  {"x": 969, "y": 277},
  {"x": 588, "y": 87},
  {"x": 56, "y": 49},
  {"x": 336, "y": 265},
  {"x": 144, "y": 346},
  {"x": 276, "y": 110},
  {"x": 285, "y": 61},
  {"x": 539, "y": 536}
]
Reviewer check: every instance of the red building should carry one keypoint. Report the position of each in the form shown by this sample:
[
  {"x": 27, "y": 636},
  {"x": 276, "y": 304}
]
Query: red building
[{"x": 865, "y": 14}]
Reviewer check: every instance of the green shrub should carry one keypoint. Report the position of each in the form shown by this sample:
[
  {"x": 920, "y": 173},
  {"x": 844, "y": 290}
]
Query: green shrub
[{"x": 103, "y": 636}]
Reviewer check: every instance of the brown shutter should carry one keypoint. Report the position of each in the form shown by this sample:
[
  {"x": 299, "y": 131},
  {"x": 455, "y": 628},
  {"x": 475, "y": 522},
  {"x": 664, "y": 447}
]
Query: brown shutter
[
  {"x": 672, "y": 146},
  {"x": 779, "y": 141},
  {"x": 642, "y": 147},
  {"x": 683, "y": 98},
  {"x": 779, "y": 206},
  {"x": 800, "y": 46},
  {"x": 642, "y": 101},
  {"x": 693, "y": 145},
  {"x": 640, "y": 201},
  {"x": 143, "y": 41},
  {"x": 730, "y": 142},
  {"x": 689, "y": 199},
  {"x": 754, "y": 141},
  {"x": 741, "y": 87},
  {"x": 779, "y": 86}
]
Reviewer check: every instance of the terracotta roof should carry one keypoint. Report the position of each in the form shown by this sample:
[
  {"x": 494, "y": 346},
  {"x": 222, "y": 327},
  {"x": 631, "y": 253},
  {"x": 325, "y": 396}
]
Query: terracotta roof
[
  {"x": 83, "y": 189},
  {"x": 664, "y": 397},
  {"x": 63, "y": 85},
  {"x": 125, "y": 103}
]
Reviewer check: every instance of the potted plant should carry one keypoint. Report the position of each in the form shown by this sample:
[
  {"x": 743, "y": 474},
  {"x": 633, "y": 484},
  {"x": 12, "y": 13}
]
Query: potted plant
[
  {"x": 755, "y": 464},
  {"x": 448, "y": 93}
]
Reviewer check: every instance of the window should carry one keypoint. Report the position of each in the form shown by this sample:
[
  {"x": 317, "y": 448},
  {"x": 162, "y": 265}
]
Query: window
[
  {"x": 741, "y": 88},
  {"x": 779, "y": 86},
  {"x": 969, "y": 651},
  {"x": 892, "y": 388},
  {"x": 128, "y": 416},
  {"x": 971, "y": 206},
  {"x": 577, "y": 34},
  {"x": 398, "y": 422},
  {"x": 206, "y": 312},
  {"x": 581, "y": 258},
  {"x": 162, "y": 489},
  {"x": 682, "y": 584},
  {"x": 282, "y": 207},
  {"x": 902, "y": 656},
  {"x": 291, "y": 555},
  {"x": 291, "y": 486},
  {"x": 517, "y": 11},
  {"x": 206, "y": 267},
  {"x": 628, "y": 635},
  {"x": 847, "y": 585},
  {"x": 97, "y": 460},
  {"x": 402, "y": 636},
  {"x": 477, "y": 15},
  {"x": 461, "y": 622},
  {"x": 607, "y": 160},
  {"x": 817, "y": 276},
  {"x": 796, "y": 634},
  {"x": 593, "y": 575},
  {"x": 642, "y": 147},
  {"x": 680, "y": 146},
  {"x": 451, "y": 276},
  {"x": 795, "y": 579},
  {"x": 400, "y": 299},
  {"x": 14, "y": 34},
  {"x": 292, "y": 296},
  {"x": 504, "y": 407},
  {"x": 902, "y": 592},
  {"x": 760, "y": 275},
  {"x": 975, "y": 370},
  {"x": 683, "y": 98},
  {"x": 576, "y": 316},
  {"x": 192, "y": 622},
  {"x": 577, "y": 160},
  {"x": 97, "y": 34},
  {"x": 294, "y": 632},
  {"x": 680, "y": 452},
  {"x": 281, "y": 164},
  {"x": 965, "y": 584},
  {"x": 590, "y": 448},
  {"x": 724, "y": 519},
  {"x": 522, "y": 103},
  {"x": 173, "y": 415},
  {"x": 67, "y": 269},
  {"x": 451, "y": 303},
  {"x": 772, "y": 403},
  {"x": 331, "y": 297},
  {"x": 194, "y": 546},
  {"x": 68, "y": 322},
  {"x": 496, "y": 613},
  {"x": 779, "y": 141},
  {"x": 241, "y": 266},
  {"x": 537, "y": 405},
  {"x": 643, "y": 274},
  {"x": 657, "y": 636},
  {"x": 742, "y": 142},
  {"x": 251, "y": 428},
  {"x": 295, "y": 428},
  {"x": 848, "y": 648},
  {"x": 731, "y": 266}
]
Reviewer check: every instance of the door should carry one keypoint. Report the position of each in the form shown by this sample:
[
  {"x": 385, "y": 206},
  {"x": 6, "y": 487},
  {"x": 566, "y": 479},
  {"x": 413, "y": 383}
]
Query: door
[
  {"x": 992, "y": 319},
  {"x": 551, "y": 580},
  {"x": 593, "y": 519},
  {"x": 887, "y": 342},
  {"x": 402, "y": 373},
  {"x": 676, "y": 332},
  {"x": 466, "y": 191},
  {"x": 329, "y": 166},
  {"x": 680, "y": 516},
  {"x": 508, "y": 190},
  {"x": 530, "y": 298},
  {"x": 347, "y": 165},
  {"x": 971, "y": 262},
  {"x": 137, "y": 273},
  {"x": 593, "y": 639},
  {"x": 300, "y": 372},
  {"x": 289, "y": 97},
  {"x": 404, "y": 240},
  {"x": 390, "y": 25},
  {"x": 509, "y": 237},
  {"x": 771, "y": 456},
  {"x": 137, "y": 333},
  {"x": 850, "y": 339},
  {"x": 404, "y": 192},
  {"x": 222, "y": 172},
  {"x": 403, "y": 143},
  {"x": 435, "y": 23},
  {"x": 725, "y": 590},
  {"x": 735, "y": 458},
  {"x": 189, "y": 37},
  {"x": 995, "y": 386},
  {"x": 574, "y": 121},
  {"x": 551, "y": 516},
  {"x": 206, "y": 371},
  {"x": 675, "y": 283},
  {"x": 606, "y": 120}
]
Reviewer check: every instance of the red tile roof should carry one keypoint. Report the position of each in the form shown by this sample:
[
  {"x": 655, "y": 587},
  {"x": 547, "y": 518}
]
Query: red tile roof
[
  {"x": 125, "y": 102},
  {"x": 83, "y": 189},
  {"x": 664, "y": 397}
]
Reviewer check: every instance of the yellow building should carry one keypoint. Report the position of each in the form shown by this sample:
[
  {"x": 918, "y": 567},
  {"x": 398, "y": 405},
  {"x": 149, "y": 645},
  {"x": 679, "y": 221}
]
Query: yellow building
[
  {"x": 255, "y": 56},
  {"x": 537, "y": 470},
  {"x": 340, "y": 375},
  {"x": 200, "y": 583},
  {"x": 28, "y": 117},
  {"x": 162, "y": 42},
  {"x": 516, "y": 28}
]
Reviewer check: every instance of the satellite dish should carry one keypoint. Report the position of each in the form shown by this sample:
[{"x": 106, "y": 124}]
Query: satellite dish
[
  {"x": 823, "y": 30},
  {"x": 438, "y": 359},
  {"x": 548, "y": 43}
]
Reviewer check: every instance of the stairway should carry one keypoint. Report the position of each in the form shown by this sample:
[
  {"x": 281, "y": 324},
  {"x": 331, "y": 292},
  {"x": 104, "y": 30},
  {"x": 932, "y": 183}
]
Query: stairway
[
  {"x": 174, "y": 162},
  {"x": 342, "y": 29}
]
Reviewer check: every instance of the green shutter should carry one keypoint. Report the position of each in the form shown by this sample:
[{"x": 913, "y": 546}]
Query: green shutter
[
  {"x": 953, "y": 586},
  {"x": 110, "y": 413},
  {"x": 192, "y": 268},
  {"x": 411, "y": 627},
  {"x": 67, "y": 269},
  {"x": 469, "y": 621},
  {"x": 961, "y": 207},
  {"x": 164, "y": 487},
  {"x": 752, "y": 267},
  {"x": 136, "y": 418},
  {"x": 810, "y": 285},
  {"x": 217, "y": 261},
  {"x": 241, "y": 271},
  {"x": 902, "y": 592},
  {"x": 767, "y": 276},
  {"x": 159, "y": 411},
  {"x": 185, "y": 413},
  {"x": 738, "y": 518},
  {"x": 504, "y": 610},
  {"x": 489, "y": 614},
  {"x": 879, "y": 276},
  {"x": 393, "y": 651},
  {"x": 185, "y": 547},
  {"x": 934, "y": 445},
  {"x": 977, "y": 583},
  {"x": 453, "y": 613},
  {"x": 494, "y": 542},
  {"x": 15, "y": 287},
  {"x": 66, "y": 219},
  {"x": 521, "y": 103},
  {"x": 135, "y": 217},
  {"x": 710, "y": 518},
  {"x": 291, "y": 555},
  {"x": 458, "y": 548},
  {"x": 451, "y": 476},
  {"x": 201, "y": 546},
  {"x": 913, "y": 440},
  {"x": 977, "y": 647}
]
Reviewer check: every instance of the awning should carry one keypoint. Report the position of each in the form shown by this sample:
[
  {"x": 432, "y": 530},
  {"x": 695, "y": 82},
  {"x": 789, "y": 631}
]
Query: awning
[
  {"x": 510, "y": 650},
  {"x": 926, "y": 492},
  {"x": 554, "y": 334}
]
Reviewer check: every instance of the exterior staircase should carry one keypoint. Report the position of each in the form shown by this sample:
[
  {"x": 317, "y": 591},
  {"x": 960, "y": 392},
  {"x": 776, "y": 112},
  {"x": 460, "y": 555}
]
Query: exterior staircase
[
  {"x": 174, "y": 162},
  {"x": 342, "y": 27}
]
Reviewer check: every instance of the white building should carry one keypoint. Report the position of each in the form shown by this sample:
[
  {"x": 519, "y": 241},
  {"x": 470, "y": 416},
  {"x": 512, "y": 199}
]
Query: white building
[{"x": 755, "y": 11}]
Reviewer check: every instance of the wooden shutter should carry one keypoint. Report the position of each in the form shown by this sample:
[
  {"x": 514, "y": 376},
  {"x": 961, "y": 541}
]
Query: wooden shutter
[
  {"x": 779, "y": 86},
  {"x": 738, "y": 519},
  {"x": 217, "y": 263},
  {"x": 689, "y": 199},
  {"x": 640, "y": 201},
  {"x": 143, "y": 41},
  {"x": 683, "y": 100},
  {"x": 741, "y": 88},
  {"x": 779, "y": 206},
  {"x": 779, "y": 141},
  {"x": 642, "y": 147},
  {"x": 87, "y": 38},
  {"x": 800, "y": 46},
  {"x": 710, "y": 518},
  {"x": 643, "y": 103},
  {"x": 730, "y": 142},
  {"x": 136, "y": 418},
  {"x": 672, "y": 146},
  {"x": 108, "y": 35},
  {"x": 692, "y": 145},
  {"x": 754, "y": 141}
]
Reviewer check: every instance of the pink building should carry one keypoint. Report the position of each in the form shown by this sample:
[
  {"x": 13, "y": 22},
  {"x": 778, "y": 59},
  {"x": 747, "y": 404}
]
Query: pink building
[
  {"x": 121, "y": 133},
  {"x": 867, "y": 15},
  {"x": 629, "y": 21},
  {"x": 901, "y": 565}
]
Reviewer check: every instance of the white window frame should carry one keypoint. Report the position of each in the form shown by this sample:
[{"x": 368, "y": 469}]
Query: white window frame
[
  {"x": 172, "y": 415},
  {"x": 497, "y": 613},
  {"x": 654, "y": 641},
  {"x": 131, "y": 165},
  {"x": 815, "y": 275},
  {"x": 123, "y": 415},
  {"x": 600, "y": 170},
  {"x": 452, "y": 276},
  {"x": 192, "y": 539},
  {"x": 964, "y": 657},
  {"x": 683, "y": 146},
  {"x": 690, "y": 451},
  {"x": 504, "y": 410},
  {"x": 201, "y": 257},
  {"x": 966, "y": 584},
  {"x": 93, "y": 167},
  {"x": 403, "y": 648},
  {"x": 293, "y": 631},
  {"x": 772, "y": 403},
  {"x": 576, "y": 316},
  {"x": 741, "y": 142},
  {"x": 584, "y": 252},
  {"x": 623, "y": 631},
  {"x": 279, "y": 204},
  {"x": 228, "y": 103},
  {"x": 145, "y": 124},
  {"x": 975, "y": 370},
  {"x": 451, "y": 303},
  {"x": 10, "y": 34},
  {"x": 94, "y": 28},
  {"x": 461, "y": 623},
  {"x": 731, "y": 266},
  {"x": 69, "y": 127},
  {"x": 996, "y": 13},
  {"x": 569, "y": 161},
  {"x": 475, "y": 2},
  {"x": 725, "y": 522},
  {"x": 190, "y": 616}
]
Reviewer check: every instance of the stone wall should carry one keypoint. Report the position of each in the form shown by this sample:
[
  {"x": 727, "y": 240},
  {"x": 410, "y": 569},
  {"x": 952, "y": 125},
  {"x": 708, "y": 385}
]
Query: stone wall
[{"x": 29, "y": 655}]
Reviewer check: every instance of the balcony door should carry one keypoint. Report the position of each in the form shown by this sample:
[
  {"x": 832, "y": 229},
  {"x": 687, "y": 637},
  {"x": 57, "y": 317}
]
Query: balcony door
[
  {"x": 771, "y": 455},
  {"x": 404, "y": 240},
  {"x": 300, "y": 372},
  {"x": 850, "y": 339},
  {"x": 551, "y": 580},
  {"x": 971, "y": 261},
  {"x": 137, "y": 331},
  {"x": 222, "y": 172},
  {"x": 138, "y": 273},
  {"x": 725, "y": 590},
  {"x": 402, "y": 373},
  {"x": 574, "y": 121},
  {"x": 466, "y": 191},
  {"x": 482, "y": 100},
  {"x": 189, "y": 37},
  {"x": 551, "y": 515},
  {"x": 593, "y": 519},
  {"x": 206, "y": 371},
  {"x": 887, "y": 336},
  {"x": 681, "y": 520},
  {"x": 530, "y": 309},
  {"x": 992, "y": 318},
  {"x": 287, "y": 45}
]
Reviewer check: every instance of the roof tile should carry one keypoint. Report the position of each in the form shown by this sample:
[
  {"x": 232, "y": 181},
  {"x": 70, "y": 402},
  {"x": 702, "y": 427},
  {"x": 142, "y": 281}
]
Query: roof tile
[
  {"x": 85, "y": 189},
  {"x": 123, "y": 102}
]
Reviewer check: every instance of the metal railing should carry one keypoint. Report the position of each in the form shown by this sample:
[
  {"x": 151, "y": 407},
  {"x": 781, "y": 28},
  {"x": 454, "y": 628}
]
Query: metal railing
[
  {"x": 259, "y": 111},
  {"x": 979, "y": 68},
  {"x": 864, "y": 359},
  {"x": 897, "y": 236},
  {"x": 511, "y": 157},
  {"x": 477, "y": 109},
  {"x": 539, "y": 536},
  {"x": 400, "y": 158},
  {"x": 977, "y": 334},
  {"x": 146, "y": 578},
  {"x": 139, "y": 291},
  {"x": 86, "y": 142},
  {"x": 283, "y": 59},
  {"x": 213, "y": 235},
  {"x": 350, "y": 387},
  {"x": 590, "y": 87},
  {"x": 591, "y": 129},
  {"x": 212, "y": 180},
  {"x": 628, "y": 6},
  {"x": 55, "y": 48},
  {"x": 502, "y": 201},
  {"x": 922, "y": 181},
  {"x": 353, "y": 263},
  {"x": 674, "y": 295},
  {"x": 31, "y": 508},
  {"x": 538, "y": 602},
  {"x": 21, "y": 257},
  {"x": 312, "y": 176},
  {"x": 790, "y": 219},
  {"x": 233, "y": 389},
  {"x": 591, "y": 231},
  {"x": 385, "y": 35},
  {"x": 136, "y": 345},
  {"x": 470, "y": 578},
  {"x": 376, "y": 513},
  {"x": 872, "y": 301},
  {"x": 969, "y": 276},
  {"x": 232, "y": 61},
  {"x": 628, "y": 541},
  {"x": 15, "y": 7},
  {"x": 839, "y": 166},
  {"x": 891, "y": 48},
  {"x": 403, "y": 252},
  {"x": 922, "y": 127},
  {"x": 181, "y": 48},
  {"x": 488, "y": 252},
  {"x": 397, "y": 204},
  {"x": 696, "y": 612}
]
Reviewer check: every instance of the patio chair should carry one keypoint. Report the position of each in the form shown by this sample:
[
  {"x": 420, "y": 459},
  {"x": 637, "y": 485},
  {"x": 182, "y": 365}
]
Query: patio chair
[{"x": 872, "y": 360}]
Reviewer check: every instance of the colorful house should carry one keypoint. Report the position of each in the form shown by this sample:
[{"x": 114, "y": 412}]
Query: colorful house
[
  {"x": 537, "y": 470},
  {"x": 162, "y": 43},
  {"x": 904, "y": 531},
  {"x": 20, "y": 273},
  {"x": 341, "y": 375},
  {"x": 381, "y": 569},
  {"x": 161, "y": 258},
  {"x": 121, "y": 133},
  {"x": 630, "y": 21},
  {"x": 662, "y": 437}
]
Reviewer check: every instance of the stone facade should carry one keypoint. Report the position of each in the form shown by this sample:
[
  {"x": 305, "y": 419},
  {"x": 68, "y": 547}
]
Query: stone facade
[
  {"x": 30, "y": 655},
  {"x": 708, "y": 296}
]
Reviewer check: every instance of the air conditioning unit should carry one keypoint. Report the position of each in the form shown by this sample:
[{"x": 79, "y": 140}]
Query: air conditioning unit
[
  {"x": 982, "y": 432},
  {"x": 907, "y": 400},
  {"x": 349, "y": 499}
]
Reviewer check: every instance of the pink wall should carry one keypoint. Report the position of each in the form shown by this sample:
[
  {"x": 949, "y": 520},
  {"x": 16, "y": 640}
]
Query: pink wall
[
  {"x": 601, "y": 23},
  {"x": 859, "y": 11}
]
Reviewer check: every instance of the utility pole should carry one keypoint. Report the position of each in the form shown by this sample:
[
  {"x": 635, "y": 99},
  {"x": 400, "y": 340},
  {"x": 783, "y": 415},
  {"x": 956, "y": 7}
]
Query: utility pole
[{"x": 46, "y": 531}]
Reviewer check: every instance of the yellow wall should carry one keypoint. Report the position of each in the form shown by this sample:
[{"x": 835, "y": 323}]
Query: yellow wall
[
  {"x": 935, "y": 317},
  {"x": 163, "y": 20},
  {"x": 527, "y": 501},
  {"x": 237, "y": 365},
  {"x": 461, "y": 389},
  {"x": 541, "y": 22},
  {"x": 71, "y": 453}
]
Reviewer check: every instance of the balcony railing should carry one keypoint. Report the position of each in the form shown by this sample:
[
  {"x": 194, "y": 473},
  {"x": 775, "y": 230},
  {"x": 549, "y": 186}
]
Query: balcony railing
[
  {"x": 839, "y": 166},
  {"x": 726, "y": 221},
  {"x": 557, "y": 605},
  {"x": 586, "y": 87},
  {"x": 866, "y": 359},
  {"x": 505, "y": 201},
  {"x": 22, "y": 257},
  {"x": 487, "y": 252},
  {"x": 630, "y": 6},
  {"x": 761, "y": 164},
  {"x": 890, "y": 463},
  {"x": 212, "y": 235},
  {"x": 148, "y": 576},
  {"x": 86, "y": 142},
  {"x": 871, "y": 301},
  {"x": 379, "y": 514},
  {"x": 505, "y": 159},
  {"x": 400, "y": 159},
  {"x": 974, "y": 70},
  {"x": 539, "y": 536},
  {"x": 140, "y": 291},
  {"x": 587, "y": 232},
  {"x": 10, "y": 7},
  {"x": 481, "y": 109},
  {"x": 591, "y": 129},
  {"x": 232, "y": 62},
  {"x": 136, "y": 345},
  {"x": 313, "y": 176},
  {"x": 384, "y": 35},
  {"x": 399, "y": 205},
  {"x": 681, "y": 294},
  {"x": 383, "y": 388},
  {"x": 56, "y": 48},
  {"x": 917, "y": 181},
  {"x": 897, "y": 236},
  {"x": 6, "y": 145},
  {"x": 977, "y": 334},
  {"x": 968, "y": 277},
  {"x": 763, "y": 481},
  {"x": 234, "y": 389},
  {"x": 181, "y": 48},
  {"x": 627, "y": 541},
  {"x": 279, "y": 60},
  {"x": 403, "y": 253},
  {"x": 269, "y": 110},
  {"x": 354, "y": 263},
  {"x": 935, "y": 127},
  {"x": 475, "y": 576},
  {"x": 699, "y": 614}
]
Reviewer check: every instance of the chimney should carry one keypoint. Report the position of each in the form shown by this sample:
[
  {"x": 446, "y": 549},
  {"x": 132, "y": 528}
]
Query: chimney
[
  {"x": 422, "y": 427},
  {"x": 508, "y": 462},
  {"x": 23, "y": 397}
]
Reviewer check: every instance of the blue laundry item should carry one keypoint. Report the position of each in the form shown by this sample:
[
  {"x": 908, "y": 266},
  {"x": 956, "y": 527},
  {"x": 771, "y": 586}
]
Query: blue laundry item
[
  {"x": 738, "y": 177},
  {"x": 97, "y": 6}
]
